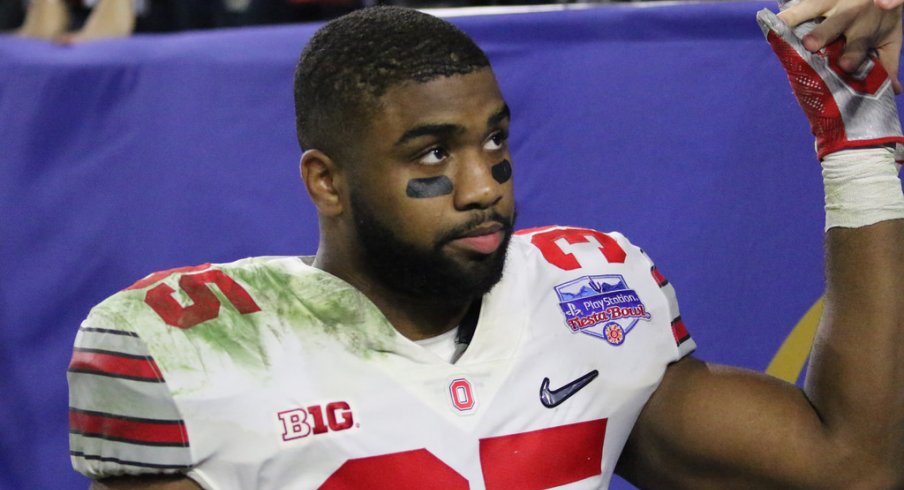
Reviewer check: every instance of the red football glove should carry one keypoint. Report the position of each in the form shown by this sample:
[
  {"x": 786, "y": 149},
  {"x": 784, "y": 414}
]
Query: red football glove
[{"x": 845, "y": 110}]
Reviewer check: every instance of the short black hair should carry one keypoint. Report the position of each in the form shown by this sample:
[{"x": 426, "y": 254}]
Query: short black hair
[{"x": 352, "y": 61}]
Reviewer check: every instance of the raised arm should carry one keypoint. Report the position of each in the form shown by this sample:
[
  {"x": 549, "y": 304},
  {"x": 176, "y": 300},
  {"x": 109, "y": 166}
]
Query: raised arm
[{"x": 711, "y": 426}]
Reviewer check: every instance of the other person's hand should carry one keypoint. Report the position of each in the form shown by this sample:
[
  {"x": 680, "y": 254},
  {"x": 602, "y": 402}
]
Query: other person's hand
[{"x": 865, "y": 26}]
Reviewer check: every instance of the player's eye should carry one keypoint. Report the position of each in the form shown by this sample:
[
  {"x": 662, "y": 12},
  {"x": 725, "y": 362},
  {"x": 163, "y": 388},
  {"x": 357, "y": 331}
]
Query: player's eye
[
  {"x": 433, "y": 156},
  {"x": 496, "y": 141}
]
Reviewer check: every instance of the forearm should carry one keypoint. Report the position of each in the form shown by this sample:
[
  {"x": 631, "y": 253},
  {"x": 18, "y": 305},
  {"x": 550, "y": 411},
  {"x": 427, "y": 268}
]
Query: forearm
[
  {"x": 856, "y": 374},
  {"x": 857, "y": 368},
  {"x": 717, "y": 427},
  {"x": 110, "y": 18}
]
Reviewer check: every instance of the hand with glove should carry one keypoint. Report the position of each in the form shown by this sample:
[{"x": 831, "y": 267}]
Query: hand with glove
[
  {"x": 861, "y": 24},
  {"x": 855, "y": 120}
]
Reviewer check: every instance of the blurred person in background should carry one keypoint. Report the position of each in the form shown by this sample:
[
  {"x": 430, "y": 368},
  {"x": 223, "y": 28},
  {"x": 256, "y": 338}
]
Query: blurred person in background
[{"x": 72, "y": 21}]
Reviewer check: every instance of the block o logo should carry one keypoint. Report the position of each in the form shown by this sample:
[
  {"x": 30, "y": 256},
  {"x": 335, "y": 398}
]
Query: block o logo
[{"x": 462, "y": 394}]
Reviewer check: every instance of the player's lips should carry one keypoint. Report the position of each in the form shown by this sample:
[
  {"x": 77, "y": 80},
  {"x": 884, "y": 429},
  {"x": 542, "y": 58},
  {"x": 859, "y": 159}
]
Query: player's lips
[{"x": 484, "y": 239}]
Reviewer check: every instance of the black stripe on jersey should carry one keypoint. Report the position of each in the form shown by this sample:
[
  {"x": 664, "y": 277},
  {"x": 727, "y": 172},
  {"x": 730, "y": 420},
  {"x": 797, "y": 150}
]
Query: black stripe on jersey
[
  {"x": 115, "y": 376},
  {"x": 125, "y": 417},
  {"x": 105, "y": 459},
  {"x": 113, "y": 353},
  {"x": 108, "y": 330},
  {"x": 129, "y": 441},
  {"x": 684, "y": 338}
]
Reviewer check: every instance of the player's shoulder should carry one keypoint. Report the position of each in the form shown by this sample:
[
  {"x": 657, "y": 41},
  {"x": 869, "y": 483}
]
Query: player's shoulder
[
  {"x": 599, "y": 281},
  {"x": 186, "y": 296},
  {"x": 563, "y": 250},
  {"x": 141, "y": 347},
  {"x": 179, "y": 323},
  {"x": 575, "y": 262},
  {"x": 229, "y": 318}
]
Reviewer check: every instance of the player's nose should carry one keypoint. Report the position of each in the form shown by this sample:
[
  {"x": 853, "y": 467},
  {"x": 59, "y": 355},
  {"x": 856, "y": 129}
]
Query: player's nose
[{"x": 476, "y": 187}]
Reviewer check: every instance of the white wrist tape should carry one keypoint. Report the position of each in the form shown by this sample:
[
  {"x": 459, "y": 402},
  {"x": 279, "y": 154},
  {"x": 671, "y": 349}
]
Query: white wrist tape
[{"x": 862, "y": 187}]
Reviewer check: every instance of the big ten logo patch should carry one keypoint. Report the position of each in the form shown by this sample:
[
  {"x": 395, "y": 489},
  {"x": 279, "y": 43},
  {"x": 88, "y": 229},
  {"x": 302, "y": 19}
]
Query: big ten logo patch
[{"x": 316, "y": 419}]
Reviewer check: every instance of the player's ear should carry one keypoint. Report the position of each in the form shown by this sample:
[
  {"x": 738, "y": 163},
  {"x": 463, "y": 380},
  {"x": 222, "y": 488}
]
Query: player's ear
[{"x": 324, "y": 181}]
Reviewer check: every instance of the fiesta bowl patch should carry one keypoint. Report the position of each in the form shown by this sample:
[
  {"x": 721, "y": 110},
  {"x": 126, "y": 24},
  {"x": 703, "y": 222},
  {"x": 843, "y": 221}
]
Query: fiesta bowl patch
[{"x": 601, "y": 306}]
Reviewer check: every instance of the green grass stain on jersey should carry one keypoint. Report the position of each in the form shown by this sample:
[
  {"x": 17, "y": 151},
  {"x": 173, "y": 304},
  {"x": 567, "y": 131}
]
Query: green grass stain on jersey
[
  {"x": 311, "y": 308},
  {"x": 318, "y": 303}
]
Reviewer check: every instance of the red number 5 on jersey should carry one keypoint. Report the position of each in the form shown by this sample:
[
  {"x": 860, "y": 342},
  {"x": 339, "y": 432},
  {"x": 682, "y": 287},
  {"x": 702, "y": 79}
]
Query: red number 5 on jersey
[
  {"x": 205, "y": 305},
  {"x": 549, "y": 244}
]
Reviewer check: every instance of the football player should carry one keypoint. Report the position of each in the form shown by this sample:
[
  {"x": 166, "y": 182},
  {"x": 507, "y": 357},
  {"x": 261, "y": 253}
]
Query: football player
[{"x": 427, "y": 345}]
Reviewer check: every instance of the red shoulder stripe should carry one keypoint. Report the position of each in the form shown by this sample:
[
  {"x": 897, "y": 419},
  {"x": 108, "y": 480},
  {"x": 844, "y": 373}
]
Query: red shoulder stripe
[
  {"x": 658, "y": 277},
  {"x": 128, "y": 429},
  {"x": 105, "y": 363},
  {"x": 680, "y": 331}
]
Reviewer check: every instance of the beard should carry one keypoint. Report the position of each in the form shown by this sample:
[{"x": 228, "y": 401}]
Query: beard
[{"x": 429, "y": 273}]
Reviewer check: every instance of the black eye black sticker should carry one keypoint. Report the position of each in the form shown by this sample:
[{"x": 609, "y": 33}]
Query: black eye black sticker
[
  {"x": 431, "y": 187},
  {"x": 502, "y": 171}
]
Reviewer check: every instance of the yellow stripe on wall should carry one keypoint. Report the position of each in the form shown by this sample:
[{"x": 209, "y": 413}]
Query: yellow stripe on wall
[{"x": 791, "y": 356}]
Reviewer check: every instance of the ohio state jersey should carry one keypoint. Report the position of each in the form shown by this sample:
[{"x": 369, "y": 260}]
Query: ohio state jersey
[{"x": 269, "y": 373}]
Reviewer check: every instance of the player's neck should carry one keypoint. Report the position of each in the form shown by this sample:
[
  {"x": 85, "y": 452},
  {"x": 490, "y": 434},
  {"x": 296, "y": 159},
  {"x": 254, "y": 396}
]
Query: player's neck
[
  {"x": 414, "y": 317},
  {"x": 418, "y": 318}
]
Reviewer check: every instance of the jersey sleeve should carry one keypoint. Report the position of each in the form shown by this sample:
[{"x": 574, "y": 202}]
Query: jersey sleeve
[
  {"x": 123, "y": 419},
  {"x": 683, "y": 340},
  {"x": 606, "y": 286}
]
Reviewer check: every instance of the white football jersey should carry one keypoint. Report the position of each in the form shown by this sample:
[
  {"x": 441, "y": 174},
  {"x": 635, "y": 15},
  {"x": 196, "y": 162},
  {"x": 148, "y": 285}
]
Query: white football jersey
[{"x": 267, "y": 373}]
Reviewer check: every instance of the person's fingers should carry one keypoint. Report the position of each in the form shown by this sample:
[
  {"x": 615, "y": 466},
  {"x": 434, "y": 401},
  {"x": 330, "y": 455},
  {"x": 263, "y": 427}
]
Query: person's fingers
[
  {"x": 888, "y": 4},
  {"x": 66, "y": 39},
  {"x": 827, "y": 31},
  {"x": 803, "y": 11},
  {"x": 768, "y": 21},
  {"x": 854, "y": 53},
  {"x": 889, "y": 56}
]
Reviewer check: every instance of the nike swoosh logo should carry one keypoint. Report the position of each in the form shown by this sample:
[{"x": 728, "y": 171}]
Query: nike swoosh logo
[{"x": 554, "y": 398}]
